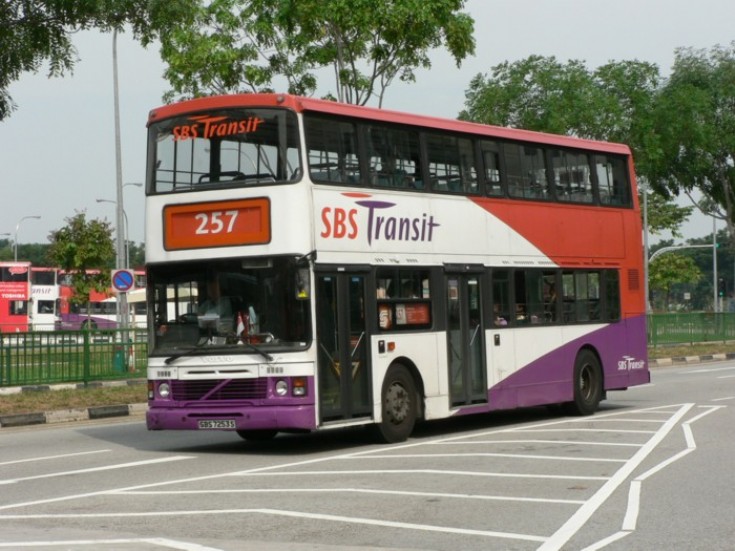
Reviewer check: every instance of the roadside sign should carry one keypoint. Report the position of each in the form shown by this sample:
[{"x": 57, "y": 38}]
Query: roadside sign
[{"x": 123, "y": 280}]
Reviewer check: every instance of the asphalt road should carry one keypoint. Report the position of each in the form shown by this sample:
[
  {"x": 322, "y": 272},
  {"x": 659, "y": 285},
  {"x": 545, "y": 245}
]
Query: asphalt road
[{"x": 653, "y": 469}]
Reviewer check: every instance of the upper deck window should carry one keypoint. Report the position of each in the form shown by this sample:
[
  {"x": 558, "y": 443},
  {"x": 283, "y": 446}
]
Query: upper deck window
[
  {"x": 612, "y": 180},
  {"x": 332, "y": 149},
  {"x": 526, "y": 168},
  {"x": 235, "y": 147}
]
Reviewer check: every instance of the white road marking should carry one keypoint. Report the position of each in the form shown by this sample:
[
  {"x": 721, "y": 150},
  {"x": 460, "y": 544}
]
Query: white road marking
[
  {"x": 583, "y": 514},
  {"x": 284, "y": 513},
  {"x": 580, "y": 517},
  {"x": 707, "y": 370},
  {"x": 505, "y": 455},
  {"x": 359, "y": 491},
  {"x": 521, "y": 441},
  {"x": 97, "y": 469},
  {"x": 404, "y": 472},
  {"x": 161, "y": 542},
  {"x": 630, "y": 520},
  {"x": 48, "y": 457}
]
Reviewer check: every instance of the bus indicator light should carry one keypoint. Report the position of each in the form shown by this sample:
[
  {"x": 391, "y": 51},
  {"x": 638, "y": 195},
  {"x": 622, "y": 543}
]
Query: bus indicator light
[{"x": 217, "y": 224}]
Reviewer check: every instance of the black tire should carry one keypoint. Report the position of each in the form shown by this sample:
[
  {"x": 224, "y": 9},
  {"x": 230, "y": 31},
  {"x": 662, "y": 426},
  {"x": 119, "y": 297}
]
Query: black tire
[
  {"x": 399, "y": 403},
  {"x": 587, "y": 384},
  {"x": 257, "y": 435},
  {"x": 89, "y": 325}
]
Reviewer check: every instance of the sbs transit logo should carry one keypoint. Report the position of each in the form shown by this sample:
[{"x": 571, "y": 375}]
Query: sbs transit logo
[
  {"x": 377, "y": 222},
  {"x": 629, "y": 363},
  {"x": 208, "y": 127}
]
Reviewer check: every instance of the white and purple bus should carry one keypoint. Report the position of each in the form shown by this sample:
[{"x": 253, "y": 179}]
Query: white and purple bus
[{"x": 314, "y": 265}]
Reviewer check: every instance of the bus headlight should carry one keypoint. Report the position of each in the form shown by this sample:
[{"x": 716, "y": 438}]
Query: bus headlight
[
  {"x": 281, "y": 388},
  {"x": 164, "y": 390}
]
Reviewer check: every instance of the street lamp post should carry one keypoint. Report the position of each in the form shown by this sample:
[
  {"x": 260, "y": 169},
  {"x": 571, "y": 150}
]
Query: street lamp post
[
  {"x": 646, "y": 261},
  {"x": 17, "y": 227},
  {"x": 126, "y": 254},
  {"x": 122, "y": 302}
]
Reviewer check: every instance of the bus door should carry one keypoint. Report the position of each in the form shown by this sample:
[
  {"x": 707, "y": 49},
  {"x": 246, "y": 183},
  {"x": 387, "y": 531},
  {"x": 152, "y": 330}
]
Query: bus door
[
  {"x": 465, "y": 338},
  {"x": 343, "y": 367}
]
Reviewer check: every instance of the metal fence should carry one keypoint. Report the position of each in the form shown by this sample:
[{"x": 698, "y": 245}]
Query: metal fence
[
  {"x": 690, "y": 328},
  {"x": 72, "y": 356},
  {"x": 49, "y": 357}
]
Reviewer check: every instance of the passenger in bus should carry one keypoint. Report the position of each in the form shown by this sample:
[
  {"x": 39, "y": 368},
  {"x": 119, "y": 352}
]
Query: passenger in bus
[
  {"x": 498, "y": 318},
  {"x": 408, "y": 290}
]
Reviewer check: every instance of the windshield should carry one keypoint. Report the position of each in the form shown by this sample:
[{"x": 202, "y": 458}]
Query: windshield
[
  {"x": 235, "y": 306},
  {"x": 225, "y": 148}
]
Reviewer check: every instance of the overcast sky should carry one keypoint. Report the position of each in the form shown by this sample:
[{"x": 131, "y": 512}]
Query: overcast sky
[{"x": 57, "y": 150}]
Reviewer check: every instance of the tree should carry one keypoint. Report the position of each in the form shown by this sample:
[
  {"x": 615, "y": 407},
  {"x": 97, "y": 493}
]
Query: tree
[
  {"x": 137, "y": 254},
  {"x": 670, "y": 269},
  {"x": 231, "y": 46},
  {"x": 665, "y": 215},
  {"x": 85, "y": 250},
  {"x": 695, "y": 120},
  {"x": 36, "y": 31}
]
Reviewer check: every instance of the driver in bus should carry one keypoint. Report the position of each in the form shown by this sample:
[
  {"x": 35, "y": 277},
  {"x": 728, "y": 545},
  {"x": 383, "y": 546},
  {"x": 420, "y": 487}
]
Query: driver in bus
[{"x": 216, "y": 306}]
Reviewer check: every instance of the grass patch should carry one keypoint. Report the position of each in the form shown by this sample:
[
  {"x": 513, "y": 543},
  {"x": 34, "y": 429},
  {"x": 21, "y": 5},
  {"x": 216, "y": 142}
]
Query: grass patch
[
  {"x": 50, "y": 400},
  {"x": 700, "y": 349}
]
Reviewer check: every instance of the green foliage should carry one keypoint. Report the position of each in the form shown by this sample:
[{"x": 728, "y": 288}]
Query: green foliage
[
  {"x": 35, "y": 253},
  {"x": 36, "y": 31},
  {"x": 670, "y": 269},
  {"x": 231, "y": 46},
  {"x": 85, "y": 250},
  {"x": 665, "y": 215},
  {"x": 695, "y": 120},
  {"x": 137, "y": 254}
]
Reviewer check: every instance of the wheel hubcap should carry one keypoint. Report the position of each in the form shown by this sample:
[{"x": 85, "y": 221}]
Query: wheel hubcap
[{"x": 397, "y": 403}]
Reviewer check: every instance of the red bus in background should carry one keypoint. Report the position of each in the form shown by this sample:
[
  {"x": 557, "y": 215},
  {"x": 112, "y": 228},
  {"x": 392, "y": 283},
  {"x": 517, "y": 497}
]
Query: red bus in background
[
  {"x": 101, "y": 311},
  {"x": 15, "y": 294}
]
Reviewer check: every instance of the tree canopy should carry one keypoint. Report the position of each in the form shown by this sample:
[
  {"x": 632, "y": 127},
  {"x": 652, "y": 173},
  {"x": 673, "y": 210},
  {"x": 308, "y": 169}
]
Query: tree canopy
[
  {"x": 230, "y": 46},
  {"x": 671, "y": 269},
  {"x": 38, "y": 32},
  {"x": 695, "y": 125},
  {"x": 83, "y": 248}
]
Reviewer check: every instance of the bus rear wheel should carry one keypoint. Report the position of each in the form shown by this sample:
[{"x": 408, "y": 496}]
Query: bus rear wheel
[
  {"x": 587, "y": 384},
  {"x": 399, "y": 403}
]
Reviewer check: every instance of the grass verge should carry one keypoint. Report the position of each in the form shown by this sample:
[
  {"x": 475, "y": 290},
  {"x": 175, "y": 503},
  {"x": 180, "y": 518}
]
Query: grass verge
[{"x": 45, "y": 400}]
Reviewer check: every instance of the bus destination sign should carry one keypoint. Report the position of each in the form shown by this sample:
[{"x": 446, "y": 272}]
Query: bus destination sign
[{"x": 217, "y": 224}]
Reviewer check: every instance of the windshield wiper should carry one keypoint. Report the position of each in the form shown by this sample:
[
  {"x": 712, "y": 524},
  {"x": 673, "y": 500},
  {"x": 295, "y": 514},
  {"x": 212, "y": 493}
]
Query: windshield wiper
[
  {"x": 199, "y": 345},
  {"x": 254, "y": 348},
  {"x": 204, "y": 341}
]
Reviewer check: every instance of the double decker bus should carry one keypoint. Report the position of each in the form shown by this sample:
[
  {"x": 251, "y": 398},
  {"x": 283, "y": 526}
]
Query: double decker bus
[
  {"x": 45, "y": 299},
  {"x": 315, "y": 265},
  {"x": 15, "y": 294}
]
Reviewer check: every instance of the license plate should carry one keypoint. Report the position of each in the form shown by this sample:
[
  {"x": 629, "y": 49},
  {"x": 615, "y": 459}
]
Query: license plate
[{"x": 216, "y": 424}]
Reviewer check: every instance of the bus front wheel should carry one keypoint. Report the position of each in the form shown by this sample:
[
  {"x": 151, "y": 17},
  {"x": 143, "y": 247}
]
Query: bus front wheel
[
  {"x": 587, "y": 384},
  {"x": 399, "y": 403}
]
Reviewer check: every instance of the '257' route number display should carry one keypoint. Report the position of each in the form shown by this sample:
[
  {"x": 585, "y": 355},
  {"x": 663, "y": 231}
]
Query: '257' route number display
[{"x": 217, "y": 224}]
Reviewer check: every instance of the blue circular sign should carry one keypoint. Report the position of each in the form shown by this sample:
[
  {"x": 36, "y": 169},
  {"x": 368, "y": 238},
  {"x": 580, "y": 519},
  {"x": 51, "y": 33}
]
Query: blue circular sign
[{"x": 123, "y": 280}]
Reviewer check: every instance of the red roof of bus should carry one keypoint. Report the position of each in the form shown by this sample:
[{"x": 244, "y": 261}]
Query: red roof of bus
[{"x": 302, "y": 104}]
